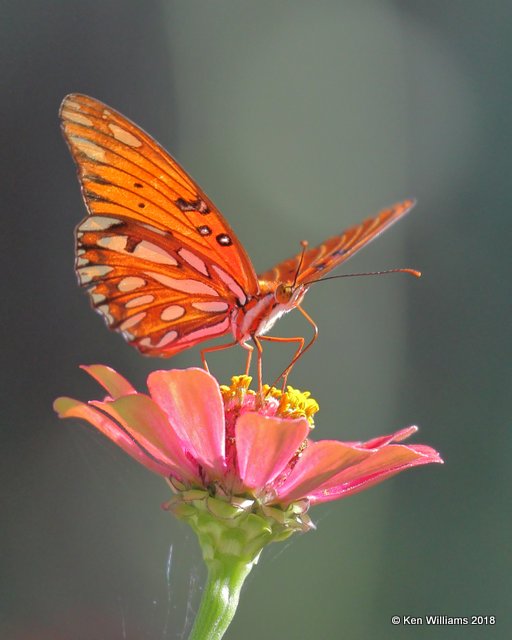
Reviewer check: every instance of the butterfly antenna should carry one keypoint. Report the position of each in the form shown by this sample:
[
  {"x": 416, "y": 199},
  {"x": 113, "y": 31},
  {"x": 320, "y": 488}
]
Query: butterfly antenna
[
  {"x": 411, "y": 272},
  {"x": 304, "y": 244}
]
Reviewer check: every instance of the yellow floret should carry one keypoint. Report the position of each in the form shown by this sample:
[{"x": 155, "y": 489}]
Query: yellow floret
[
  {"x": 237, "y": 389},
  {"x": 292, "y": 402}
]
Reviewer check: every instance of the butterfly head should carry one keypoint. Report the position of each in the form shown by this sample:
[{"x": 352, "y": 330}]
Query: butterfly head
[{"x": 289, "y": 294}]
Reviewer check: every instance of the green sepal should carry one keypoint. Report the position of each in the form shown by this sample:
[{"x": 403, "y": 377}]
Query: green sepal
[
  {"x": 232, "y": 532},
  {"x": 236, "y": 527}
]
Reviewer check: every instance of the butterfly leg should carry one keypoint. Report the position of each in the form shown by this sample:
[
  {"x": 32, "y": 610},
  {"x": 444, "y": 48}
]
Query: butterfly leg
[
  {"x": 301, "y": 350},
  {"x": 298, "y": 340},
  {"x": 259, "y": 348},
  {"x": 219, "y": 347},
  {"x": 250, "y": 350}
]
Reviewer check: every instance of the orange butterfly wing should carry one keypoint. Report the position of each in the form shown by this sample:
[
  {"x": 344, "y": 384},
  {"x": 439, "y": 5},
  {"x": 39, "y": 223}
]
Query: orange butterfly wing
[
  {"x": 159, "y": 260},
  {"x": 335, "y": 250},
  {"x": 160, "y": 295}
]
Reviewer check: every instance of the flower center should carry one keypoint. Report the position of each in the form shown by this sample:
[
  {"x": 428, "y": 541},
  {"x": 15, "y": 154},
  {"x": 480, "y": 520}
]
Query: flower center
[{"x": 290, "y": 404}]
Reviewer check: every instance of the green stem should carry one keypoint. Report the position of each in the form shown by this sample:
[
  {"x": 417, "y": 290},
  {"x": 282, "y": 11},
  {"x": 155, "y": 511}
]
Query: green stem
[{"x": 220, "y": 598}]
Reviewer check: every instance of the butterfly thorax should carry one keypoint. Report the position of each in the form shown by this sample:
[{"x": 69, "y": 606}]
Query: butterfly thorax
[{"x": 261, "y": 312}]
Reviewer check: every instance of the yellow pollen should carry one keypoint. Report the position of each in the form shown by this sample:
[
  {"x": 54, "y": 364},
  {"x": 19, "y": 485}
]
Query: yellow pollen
[
  {"x": 237, "y": 389},
  {"x": 292, "y": 402}
]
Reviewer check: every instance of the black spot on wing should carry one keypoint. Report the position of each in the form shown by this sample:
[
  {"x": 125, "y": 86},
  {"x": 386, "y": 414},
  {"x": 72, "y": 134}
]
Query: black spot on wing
[
  {"x": 204, "y": 230},
  {"x": 224, "y": 240},
  {"x": 97, "y": 179},
  {"x": 94, "y": 197},
  {"x": 198, "y": 205}
]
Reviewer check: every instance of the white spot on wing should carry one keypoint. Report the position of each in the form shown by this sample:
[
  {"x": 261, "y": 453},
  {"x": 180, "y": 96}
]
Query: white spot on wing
[
  {"x": 232, "y": 284},
  {"x": 131, "y": 322},
  {"x": 81, "y": 262},
  {"x": 194, "y": 261},
  {"x": 88, "y": 148},
  {"x": 98, "y": 223},
  {"x": 152, "y": 252},
  {"x": 186, "y": 285},
  {"x": 78, "y": 118},
  {"x": 105, "y": 312},
  {"x": 73, "y": 105},
  {"x": 154, "y": 229},
  {"x": 169, "y": 337},
  {"x": 97, "y": 297},
  {"x": 130, "y": 283},
  {"x": 86, "y": 274},
  {"x": 139, "y": 301},
  {"x": 124, "y": 136},
  {"x": 211, "y": 307},
  {"x": 172, "y": 312},
  {"x": 114, "y": 243}
]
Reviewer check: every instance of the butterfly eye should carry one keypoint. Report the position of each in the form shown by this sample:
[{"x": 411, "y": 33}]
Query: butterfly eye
[{"x": 283, "y": 293}]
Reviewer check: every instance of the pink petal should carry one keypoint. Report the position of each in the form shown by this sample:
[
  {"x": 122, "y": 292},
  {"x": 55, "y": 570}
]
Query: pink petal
[
  {"x": 265, "y": 445},
  {"x": 381, "y": 441},
  {"x": 149, "y": 426},
  {"x": 192, "y": 400},
  {"x": 112, "y": 381},
  {"x": 383, "y": 464},
  {"x": 319, "y": 462},
  {"x": 69, "y": 408}
]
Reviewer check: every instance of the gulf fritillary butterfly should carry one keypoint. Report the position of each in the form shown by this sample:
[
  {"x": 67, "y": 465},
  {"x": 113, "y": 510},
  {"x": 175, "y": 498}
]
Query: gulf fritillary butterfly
[{"x": 159, "y": 261}]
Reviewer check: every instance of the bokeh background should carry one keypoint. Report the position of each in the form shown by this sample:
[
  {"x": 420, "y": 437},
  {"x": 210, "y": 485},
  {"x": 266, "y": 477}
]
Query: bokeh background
[{"x": 298, "y": 119}]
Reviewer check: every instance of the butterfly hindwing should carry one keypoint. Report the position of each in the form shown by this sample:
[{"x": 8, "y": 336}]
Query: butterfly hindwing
[
  {"x": 321, "y": 259},
  {"x": 162, "y": 296}
]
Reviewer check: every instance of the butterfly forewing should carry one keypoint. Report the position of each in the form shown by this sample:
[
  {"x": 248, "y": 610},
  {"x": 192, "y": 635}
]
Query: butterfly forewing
[
  {"x": 124, "y": 172},
  {"x": 335, "y": 250}
]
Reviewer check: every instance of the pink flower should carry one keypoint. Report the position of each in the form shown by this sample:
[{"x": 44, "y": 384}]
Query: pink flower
[
  {"x": 242, "y": 466},
  {"x": 226, "y": 442}
]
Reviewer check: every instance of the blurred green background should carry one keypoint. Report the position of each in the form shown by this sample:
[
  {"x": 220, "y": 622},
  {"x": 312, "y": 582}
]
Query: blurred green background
[{"x": 298, "y": 119}]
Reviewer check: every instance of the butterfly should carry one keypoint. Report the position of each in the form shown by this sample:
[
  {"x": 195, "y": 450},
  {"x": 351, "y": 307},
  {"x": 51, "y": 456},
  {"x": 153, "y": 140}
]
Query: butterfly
[{"x": 160, "y": 262}]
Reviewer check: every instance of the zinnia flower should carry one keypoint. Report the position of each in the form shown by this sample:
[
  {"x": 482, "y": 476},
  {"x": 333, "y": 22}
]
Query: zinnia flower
[{"x": 243, "y": 468}]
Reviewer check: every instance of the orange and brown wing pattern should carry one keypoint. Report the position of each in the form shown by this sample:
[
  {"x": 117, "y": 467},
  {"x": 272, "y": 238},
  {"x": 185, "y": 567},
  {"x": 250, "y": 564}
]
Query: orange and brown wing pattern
[
  {"x": 124, "y": 172},
  {"x": 331, "y": 253},
  {"x": 163, "y": 297}
]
